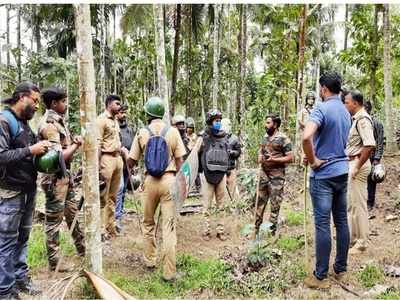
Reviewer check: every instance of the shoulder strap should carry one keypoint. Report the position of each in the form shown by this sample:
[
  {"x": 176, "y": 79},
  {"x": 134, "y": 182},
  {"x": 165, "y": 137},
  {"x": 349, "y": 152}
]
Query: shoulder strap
[
  {"x": 149, "y": 130},
  {"x": 12, "y": 123},
  {"x": 361, "y": 119},
  {"x": 164, "y": 131}
]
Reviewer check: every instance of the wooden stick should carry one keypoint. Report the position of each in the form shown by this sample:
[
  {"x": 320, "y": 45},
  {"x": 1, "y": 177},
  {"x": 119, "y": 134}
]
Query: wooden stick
[
  {"x": 257, "y": 196},
  {"x": 307, "y": 256}
]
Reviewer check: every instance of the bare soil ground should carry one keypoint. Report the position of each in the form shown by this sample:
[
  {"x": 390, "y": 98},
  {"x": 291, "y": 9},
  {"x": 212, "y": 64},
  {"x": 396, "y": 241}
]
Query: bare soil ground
[{"x": 123, "y": 255}]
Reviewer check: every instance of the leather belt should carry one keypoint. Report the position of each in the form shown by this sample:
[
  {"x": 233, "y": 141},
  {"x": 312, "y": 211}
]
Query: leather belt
[
  {"x": 353, "y": 157},
  {"x": 114, "y": 154}
]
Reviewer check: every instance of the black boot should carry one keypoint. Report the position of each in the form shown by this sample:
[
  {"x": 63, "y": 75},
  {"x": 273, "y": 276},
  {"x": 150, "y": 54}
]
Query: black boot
[{"x": 26, "y": 286}]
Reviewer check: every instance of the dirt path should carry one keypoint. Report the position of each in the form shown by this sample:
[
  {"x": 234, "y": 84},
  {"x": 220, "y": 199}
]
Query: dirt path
[{"x": 124, "y": 254}]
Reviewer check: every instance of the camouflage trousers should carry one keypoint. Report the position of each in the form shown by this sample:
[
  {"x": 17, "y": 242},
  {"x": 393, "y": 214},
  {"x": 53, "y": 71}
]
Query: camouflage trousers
[
  {"x": 271, "y": 188},
  {"x": 60, "y": 203}
]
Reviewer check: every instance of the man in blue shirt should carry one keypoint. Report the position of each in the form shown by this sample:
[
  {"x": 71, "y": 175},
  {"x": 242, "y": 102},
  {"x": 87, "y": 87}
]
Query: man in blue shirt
[{"x": 324, "y": 143}]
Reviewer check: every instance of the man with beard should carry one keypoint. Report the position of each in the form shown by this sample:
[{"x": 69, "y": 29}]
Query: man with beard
[
  {"x": 58, "y": 189},
  {"x": 214, "y": 162},
  {"x": 274, "y": 154},
  {"x": 127, "y": 135},
  {"x": 111, "y": 164},
  {"x": 17, "y": 189}
]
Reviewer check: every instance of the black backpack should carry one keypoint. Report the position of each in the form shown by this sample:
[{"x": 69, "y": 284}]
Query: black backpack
[{"x": 216, "y": 154}]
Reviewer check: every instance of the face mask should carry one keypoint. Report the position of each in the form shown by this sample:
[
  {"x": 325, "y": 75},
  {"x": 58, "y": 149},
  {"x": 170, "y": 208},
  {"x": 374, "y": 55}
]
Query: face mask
[{"x": 216, "y": 126}]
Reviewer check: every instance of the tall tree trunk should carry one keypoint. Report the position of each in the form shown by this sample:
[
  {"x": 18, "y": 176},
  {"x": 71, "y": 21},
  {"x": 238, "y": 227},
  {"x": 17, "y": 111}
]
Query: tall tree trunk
[
  {"x": 102, "y": 56},
  {"x": 229, "y": 92},
  {"x": 36, "y": 28},
  {"x": 346, "y": 27},
  {"x": 160, "y": 50},
  {"x": 389, "y": 120},
  {"x": 90, "y": 146},
  {"x": 8, "y": 33},
  {"x": 243, "y": 58},
  {"x": 114, "y": 60},
  {"x": 300, "y": 74},
  {"x": 318, "y": 54},
  {"x": 374, "y": 58},
  {"x": 176, "y": 57},
  {"x": 189, "y": 65},
  {"x": 19, "y": 53},
  {"x": 215, "y": 57}
]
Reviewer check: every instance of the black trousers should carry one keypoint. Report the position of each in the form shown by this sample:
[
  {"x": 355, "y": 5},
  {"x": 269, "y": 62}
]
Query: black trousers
[{"x": 371, "y": 192}]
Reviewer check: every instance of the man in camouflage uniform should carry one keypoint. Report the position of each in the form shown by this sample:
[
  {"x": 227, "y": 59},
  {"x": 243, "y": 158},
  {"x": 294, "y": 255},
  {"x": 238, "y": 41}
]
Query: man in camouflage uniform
[
  {"x": 275, "y": 152},
  {"x": 60, "y": 197}
]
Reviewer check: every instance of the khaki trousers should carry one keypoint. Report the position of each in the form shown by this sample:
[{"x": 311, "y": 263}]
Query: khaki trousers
[
  {"x": 111, "y": 170},
  {"x": 209, "y": 191},
  {"x": 357, "y": 205},
  {"x": 231, "y": 183},
  {"x": 157, "y": 191}
]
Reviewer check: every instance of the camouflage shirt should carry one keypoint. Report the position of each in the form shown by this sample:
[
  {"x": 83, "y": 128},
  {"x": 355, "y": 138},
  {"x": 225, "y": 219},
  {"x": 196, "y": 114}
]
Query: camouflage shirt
[{"x": 276, "y": 146}]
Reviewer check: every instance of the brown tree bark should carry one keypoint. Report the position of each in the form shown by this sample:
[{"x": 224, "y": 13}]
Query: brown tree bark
[
  {"x": 176, "y": 56},
  {"x": 90, "y": 184}
]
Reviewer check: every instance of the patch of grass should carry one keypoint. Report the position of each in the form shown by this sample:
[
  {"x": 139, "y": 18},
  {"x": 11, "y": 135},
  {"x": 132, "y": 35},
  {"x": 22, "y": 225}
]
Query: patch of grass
[
  {"x": 294, "y": 218},
  {"x": 391, "y": 294},
  {"x": 37, "y": 253},
  {"x": 37, "y": 256},
  {"x": 211, "y": 274},
  {"x": 290, "y": 244},
  {"x": 370, "y": 275},
  {"x": 132, "y": 202}
]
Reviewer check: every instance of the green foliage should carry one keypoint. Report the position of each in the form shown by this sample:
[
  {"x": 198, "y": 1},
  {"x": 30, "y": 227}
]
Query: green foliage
[
  {"x": 197, "y": 274},
  {"x": 291, "y": 244},
  {"x": 295, "y": 218},
  {"x": 370, "y": 275},
  {"x": 391, "y": 294},
  {"x": 37, "y": 254}
]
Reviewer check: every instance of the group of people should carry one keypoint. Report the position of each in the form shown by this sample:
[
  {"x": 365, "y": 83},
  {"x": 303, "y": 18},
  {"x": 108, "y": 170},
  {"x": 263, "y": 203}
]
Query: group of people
[{"x": 340, "y": 142}]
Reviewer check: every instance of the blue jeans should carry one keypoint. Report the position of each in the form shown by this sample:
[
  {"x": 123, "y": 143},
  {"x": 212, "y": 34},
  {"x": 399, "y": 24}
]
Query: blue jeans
[
  {"x": 15, "y": 226},
  {"x": 119, "y": 206},
  {"x": 330, "y": 196}
]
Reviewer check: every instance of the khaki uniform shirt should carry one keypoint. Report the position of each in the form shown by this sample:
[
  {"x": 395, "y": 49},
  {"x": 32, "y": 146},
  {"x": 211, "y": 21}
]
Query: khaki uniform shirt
[
  {"x": 173, "y": 139},
  {"x": 192, "y": 141},
  {"x": 53, "y": 129},
  {"x": 276, "y": 146},
  {"x": 109, "y": 138},
  {"x": 361, "y": 133}
]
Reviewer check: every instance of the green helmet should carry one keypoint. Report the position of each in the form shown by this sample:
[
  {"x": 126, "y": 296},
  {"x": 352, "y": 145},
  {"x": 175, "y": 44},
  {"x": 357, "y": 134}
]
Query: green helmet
[
  {"x": 155, "y": 107},
  {"x": 48, "y": 162},
  {"x": 311, "y": 94},
  {"x": 178, "y": 119},
  {"x": 190, "y": 122}
]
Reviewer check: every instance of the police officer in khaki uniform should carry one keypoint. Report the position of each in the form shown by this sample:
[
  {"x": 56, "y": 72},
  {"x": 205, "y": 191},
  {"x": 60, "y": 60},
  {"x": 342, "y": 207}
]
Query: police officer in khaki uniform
[
  {"x": 60, "y": 197},
  {"x": 111, "y": 162},
  {"x": 157, "y": 189},
  {"x": 275, "y": 152},
  {"x": 360, "y": 144},
  {"x": 191, "y": 135}
]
